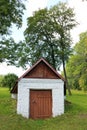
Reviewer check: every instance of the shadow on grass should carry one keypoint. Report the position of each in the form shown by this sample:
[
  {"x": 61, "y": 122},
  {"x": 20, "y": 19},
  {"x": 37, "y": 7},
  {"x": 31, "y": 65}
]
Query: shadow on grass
[{"x": 73, "y": 108}]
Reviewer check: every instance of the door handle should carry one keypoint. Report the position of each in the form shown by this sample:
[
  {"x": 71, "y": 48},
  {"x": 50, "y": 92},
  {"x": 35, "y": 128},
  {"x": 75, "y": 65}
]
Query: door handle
[{"x": 33, "y": 101}]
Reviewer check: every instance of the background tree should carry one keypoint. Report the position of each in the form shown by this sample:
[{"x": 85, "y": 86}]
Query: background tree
[
  {"x": 7, "y": 50},
  {"x": 9, "y": 80},
  {"x": 11, "y": 12},
  {"x": 48, "y": 35},
  {"x": 40, "y": 39},
  {"x": 77, "y": 65},
  {"x": 73, "y": 78},
  {"x": 63, "y": 21},
  {"x": 1, "y": 78}
]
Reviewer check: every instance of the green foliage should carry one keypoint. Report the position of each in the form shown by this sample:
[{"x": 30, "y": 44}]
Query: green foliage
[
  {"x": 63, "y": 21},
  {"x": 11, "y": 12},
  {"x": 74, "y": 118},
  {"x": 8, "y": 51},
  {"x": 48, "y": 35},
  {"x": 83, "y": 82},
  {"x": 39, "y": 37},
  {"x": 77, "y": 65},
  {"x": 1, "y": 78},
  {"x": 70, "y": 68},
  {"x": 9, "y": 80}
]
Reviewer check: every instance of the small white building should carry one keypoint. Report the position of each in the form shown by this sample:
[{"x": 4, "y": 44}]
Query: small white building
[{"x": 40, "y": 92}]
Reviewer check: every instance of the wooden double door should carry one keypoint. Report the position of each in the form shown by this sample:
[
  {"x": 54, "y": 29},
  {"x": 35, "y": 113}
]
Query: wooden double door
[{"x": 40, "y": 104}]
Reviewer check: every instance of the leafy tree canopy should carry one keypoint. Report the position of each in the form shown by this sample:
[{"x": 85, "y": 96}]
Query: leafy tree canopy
[
  {"x": 11, "y": 12},
  {"x": 48, "y": 35},
  {"x": 77, "y": 65}
]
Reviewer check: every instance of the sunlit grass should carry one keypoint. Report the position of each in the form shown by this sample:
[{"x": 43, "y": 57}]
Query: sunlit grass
[{"x": 74, "y": 118}]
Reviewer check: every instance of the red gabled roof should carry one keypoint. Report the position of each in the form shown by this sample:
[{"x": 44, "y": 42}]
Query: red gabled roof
[
  {"x": 14, "y": 89},
  {"x": 42, "y": 59}
]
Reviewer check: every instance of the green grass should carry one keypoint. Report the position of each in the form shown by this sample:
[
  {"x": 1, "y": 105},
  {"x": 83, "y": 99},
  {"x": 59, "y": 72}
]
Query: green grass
[{"x": 74, "y": 118}]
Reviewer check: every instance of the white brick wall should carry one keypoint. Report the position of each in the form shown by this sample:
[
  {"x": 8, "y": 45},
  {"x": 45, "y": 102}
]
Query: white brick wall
[{"x": 56, "y": 85}]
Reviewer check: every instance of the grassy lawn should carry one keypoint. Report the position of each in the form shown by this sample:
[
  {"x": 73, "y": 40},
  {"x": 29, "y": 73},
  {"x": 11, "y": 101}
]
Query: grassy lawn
[{"x": 74, "y": 118}]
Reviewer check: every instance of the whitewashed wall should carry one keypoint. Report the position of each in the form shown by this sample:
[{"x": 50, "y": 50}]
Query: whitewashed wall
[
  {"x": 14, "y": 95},
  {"x": 56, "y": 85}
]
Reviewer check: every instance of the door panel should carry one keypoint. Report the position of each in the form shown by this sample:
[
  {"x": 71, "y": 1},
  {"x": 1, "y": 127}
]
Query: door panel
[{"x": 40, "y": 104}]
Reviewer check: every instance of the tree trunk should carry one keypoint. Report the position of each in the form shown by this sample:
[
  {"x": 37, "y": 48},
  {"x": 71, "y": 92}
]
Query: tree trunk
[
  {"x": 53, "y": 57},
  {"x": 66, "y": 80}
]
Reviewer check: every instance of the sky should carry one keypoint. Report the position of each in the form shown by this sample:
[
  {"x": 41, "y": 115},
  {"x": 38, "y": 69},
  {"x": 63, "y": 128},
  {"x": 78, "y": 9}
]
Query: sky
[{"x": 80, "y": 9}]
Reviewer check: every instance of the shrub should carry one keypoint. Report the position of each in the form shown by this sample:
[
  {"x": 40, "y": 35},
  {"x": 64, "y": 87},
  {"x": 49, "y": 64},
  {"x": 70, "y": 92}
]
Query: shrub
[{"x": 9, "y": 80}]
